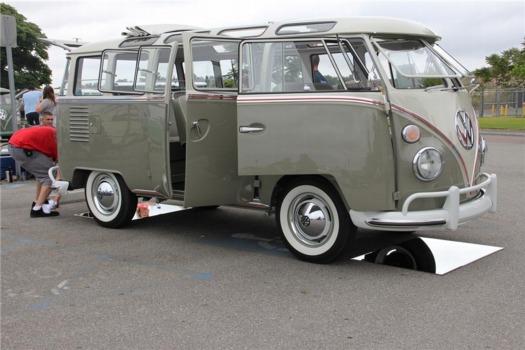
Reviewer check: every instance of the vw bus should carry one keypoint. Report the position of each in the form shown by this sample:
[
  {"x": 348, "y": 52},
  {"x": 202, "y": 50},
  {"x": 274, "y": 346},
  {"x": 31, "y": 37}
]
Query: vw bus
[
  {"x": 6, "y": 123},
  {"x": 386, "y": 140}
]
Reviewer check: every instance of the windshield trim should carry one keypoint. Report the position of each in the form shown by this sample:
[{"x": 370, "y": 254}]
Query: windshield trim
[
  {"x": 428, "y": 46},
  {"x": 452, "y": 62}
]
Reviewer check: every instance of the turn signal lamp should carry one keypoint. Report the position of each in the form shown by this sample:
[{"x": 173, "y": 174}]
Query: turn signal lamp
[{"x": 411, "y": 133}]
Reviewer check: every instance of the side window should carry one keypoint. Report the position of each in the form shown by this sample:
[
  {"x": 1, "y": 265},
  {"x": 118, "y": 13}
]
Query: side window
[
  {"x": 177, "y": 83},
  {"x": 152, "y": 69},
  {"x": 215, "y": 64},
  {"x": 62, "y": 91},
  {"x": 86, "y": 76},
  {"x": 303, "y": 66},
  {"x": 283, "y": 66},
  {"x": 384, "y": 63},
  {"x": 118, "y": 71},
  {"x": 355, "y": 65},
  {"x": 324, "y": 74},
  {"x": 289, "y": 68}
]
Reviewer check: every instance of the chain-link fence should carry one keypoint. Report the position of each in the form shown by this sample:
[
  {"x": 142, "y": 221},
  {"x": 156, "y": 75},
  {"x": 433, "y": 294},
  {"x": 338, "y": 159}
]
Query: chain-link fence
[{"x": 499, "y": 102}]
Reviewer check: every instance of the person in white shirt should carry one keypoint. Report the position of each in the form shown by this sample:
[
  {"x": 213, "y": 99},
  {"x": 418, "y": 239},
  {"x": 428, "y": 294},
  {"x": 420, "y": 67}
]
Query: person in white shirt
[{"x": 29, "y": 101}]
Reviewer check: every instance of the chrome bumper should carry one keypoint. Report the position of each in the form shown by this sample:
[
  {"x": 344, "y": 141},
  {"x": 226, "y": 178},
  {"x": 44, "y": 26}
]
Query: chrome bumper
[{"x": 448, "y": 217}]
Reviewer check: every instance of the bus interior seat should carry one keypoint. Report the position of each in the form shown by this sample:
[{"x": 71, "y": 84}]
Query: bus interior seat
[
  {"x": 177, "y": 138},
  {"x": 173, "y": 130},
  {"x": 178, "y": 103}
]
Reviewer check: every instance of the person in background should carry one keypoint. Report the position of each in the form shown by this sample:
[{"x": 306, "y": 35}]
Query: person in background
[
  {"x": 318, "y": 77},
  {"x": 35, "y": 149},
  {"x": 29, "y": 101},
  {"x": 47, "y": 119},
  {"x": 48, "y": 102}
]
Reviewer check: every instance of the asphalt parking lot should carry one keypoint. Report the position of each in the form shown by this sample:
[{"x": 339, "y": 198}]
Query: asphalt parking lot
[{"x": 222, "y": 279}]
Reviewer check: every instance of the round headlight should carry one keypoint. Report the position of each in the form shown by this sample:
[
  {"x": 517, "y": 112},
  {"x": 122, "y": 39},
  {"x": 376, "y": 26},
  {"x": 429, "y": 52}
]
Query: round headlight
[{"x": 427, "y": 164}]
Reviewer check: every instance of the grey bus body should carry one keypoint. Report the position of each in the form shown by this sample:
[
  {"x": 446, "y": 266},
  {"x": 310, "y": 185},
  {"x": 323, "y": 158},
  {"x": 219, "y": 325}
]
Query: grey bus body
[{"x": 388, "y": 140}]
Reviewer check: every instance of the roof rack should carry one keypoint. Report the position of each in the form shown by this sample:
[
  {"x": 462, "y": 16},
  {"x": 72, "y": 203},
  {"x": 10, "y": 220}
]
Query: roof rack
[{"x": 156, "y": 29}]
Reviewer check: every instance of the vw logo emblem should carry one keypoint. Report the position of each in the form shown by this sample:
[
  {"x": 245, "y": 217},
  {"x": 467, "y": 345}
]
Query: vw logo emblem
[{"x": 464, "y": 129}]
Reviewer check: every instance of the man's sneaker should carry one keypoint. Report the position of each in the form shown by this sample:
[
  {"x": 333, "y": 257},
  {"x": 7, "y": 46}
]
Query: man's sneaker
[
  {"x": 33, "y": 204},
  {"x": 41, "y": 214},
  {"x": 52, "y": 204}
]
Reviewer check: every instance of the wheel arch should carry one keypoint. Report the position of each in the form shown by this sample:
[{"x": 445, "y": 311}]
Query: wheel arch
[{"x": 80, "y": 176}]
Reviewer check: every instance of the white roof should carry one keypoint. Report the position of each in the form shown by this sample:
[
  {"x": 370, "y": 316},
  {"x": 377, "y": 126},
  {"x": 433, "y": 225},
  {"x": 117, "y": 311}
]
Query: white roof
[
  {"x": 332, "y": 26},
  {"x": 309, "y": 27}
]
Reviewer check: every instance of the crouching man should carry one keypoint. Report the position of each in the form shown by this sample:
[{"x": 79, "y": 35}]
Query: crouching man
[{"x": 35, "y": 149}]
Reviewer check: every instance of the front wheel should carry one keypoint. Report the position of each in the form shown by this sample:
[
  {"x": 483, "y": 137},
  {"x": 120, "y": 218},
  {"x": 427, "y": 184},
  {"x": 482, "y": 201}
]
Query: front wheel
[
  {"x": 314, "y": 222},
  {"x": 109, "y": 200}
]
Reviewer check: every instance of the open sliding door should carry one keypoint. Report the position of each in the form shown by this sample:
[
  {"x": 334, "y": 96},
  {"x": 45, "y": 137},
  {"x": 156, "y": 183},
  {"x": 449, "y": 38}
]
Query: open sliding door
[{"x": 211, "y": 70}]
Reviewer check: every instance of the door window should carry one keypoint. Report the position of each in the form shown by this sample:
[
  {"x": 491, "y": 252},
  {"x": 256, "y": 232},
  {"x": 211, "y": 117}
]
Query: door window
[
  {"x": 303, "y": 66},
  {"x": 215, "y": 64}
]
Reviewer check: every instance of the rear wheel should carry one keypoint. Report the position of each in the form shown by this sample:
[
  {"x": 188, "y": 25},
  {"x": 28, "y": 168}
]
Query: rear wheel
[
  {"x": 314, "y": 222},
  {"x": 109, "y": 200}
]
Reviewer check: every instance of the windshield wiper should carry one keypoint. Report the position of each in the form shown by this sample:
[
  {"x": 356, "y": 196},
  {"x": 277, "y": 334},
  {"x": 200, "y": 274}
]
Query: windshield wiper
[{"x": 442, "y": 88}]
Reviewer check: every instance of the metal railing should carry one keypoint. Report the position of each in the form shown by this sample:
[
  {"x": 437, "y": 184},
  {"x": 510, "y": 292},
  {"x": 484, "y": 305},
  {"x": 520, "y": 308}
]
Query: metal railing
[{"x": 499, "y": 102}]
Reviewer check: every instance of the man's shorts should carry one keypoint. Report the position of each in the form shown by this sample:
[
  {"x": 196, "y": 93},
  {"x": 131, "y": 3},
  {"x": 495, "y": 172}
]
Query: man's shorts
[{"x": 37, "y": 164}]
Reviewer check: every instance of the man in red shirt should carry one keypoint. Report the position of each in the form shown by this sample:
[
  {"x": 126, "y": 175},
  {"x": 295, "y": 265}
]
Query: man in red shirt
[{"x": 35, "y": 149}]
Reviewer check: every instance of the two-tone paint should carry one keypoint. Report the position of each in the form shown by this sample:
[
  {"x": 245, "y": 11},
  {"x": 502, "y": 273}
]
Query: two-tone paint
[{"x": 325, "y": 162}]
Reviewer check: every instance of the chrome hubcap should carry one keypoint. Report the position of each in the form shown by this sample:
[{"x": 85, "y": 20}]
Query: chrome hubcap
[
  {"x": 310, "y": 219},
  {"x": 105, "y": 194}
]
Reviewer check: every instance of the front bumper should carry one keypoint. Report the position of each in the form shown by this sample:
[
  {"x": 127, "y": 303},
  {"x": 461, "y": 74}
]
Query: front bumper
[{"x": 448, "y": 217}]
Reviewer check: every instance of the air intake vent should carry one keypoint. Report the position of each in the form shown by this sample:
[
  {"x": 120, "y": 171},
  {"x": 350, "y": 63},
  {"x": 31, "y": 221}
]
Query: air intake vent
[{"x": 79, "y": 124}]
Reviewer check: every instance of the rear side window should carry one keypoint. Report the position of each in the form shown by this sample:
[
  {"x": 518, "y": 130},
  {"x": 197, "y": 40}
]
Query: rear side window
[
  {"x": 118, "y": 71},
  {"x": 153, "y": 70},
  {"x": 86, "y": 76}
]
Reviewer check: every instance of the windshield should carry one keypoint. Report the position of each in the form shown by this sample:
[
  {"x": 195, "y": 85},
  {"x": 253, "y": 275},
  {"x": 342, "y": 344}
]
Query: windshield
[
  {"x": 412, "y": 64},
  {"x": 452, "y": 61}
]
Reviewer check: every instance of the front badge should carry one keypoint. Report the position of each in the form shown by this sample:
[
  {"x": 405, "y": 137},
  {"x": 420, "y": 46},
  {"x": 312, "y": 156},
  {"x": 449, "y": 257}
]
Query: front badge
[{"x": 464, "y": 129}]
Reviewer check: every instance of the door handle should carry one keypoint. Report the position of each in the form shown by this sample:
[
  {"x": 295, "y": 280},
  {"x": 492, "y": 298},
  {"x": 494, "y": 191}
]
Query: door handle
[
  {"x": 198, "y": 127},
  {"x": 250, "y": 129}
]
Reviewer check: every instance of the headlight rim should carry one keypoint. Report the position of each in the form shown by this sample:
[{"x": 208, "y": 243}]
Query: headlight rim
[{"x": 416, "y": 164}]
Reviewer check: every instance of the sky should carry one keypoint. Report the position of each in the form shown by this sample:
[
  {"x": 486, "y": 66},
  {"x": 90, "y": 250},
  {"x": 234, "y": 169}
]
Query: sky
[{"x": 470, "y": 30}]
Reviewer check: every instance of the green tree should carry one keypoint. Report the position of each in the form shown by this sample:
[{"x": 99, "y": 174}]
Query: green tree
[
  {"x": 518, "y": 70},
  {"x": 506, "y": 70},
  {"x": 30, "y": 55}
]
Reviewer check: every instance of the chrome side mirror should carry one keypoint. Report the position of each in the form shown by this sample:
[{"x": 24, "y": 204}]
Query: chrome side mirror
[{"x": 473, "y": 85}]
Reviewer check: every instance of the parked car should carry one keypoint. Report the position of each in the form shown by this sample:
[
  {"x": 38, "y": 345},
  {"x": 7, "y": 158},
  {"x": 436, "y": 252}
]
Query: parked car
[{"x": 6, "y": 126}]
